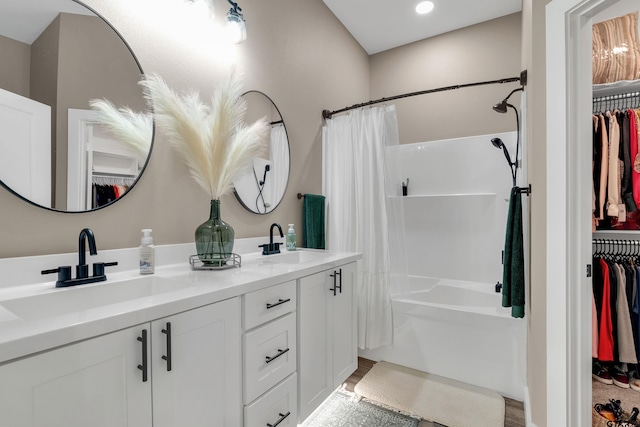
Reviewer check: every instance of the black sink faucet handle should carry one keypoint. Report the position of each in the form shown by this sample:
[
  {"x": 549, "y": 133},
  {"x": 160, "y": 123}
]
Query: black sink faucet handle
[
  {"x": 64, "y": 272},
  {"x": 98, "y": 267}
]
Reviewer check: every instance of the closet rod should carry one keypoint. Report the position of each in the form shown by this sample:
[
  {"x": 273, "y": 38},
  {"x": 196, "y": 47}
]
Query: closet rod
[
  {"x": 615, "y": 242},
  {"x": 522, "y": 79},
  {"x": 616, "y": 97}
]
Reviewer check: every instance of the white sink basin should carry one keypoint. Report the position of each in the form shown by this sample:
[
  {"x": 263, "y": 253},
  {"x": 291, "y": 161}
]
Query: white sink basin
[
  {"x": 83, "y": 297},
  {"x": 295, "y": 257}
]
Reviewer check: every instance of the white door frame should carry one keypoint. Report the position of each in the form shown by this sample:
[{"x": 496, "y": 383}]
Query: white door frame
[{"x": 568, "y": 79}]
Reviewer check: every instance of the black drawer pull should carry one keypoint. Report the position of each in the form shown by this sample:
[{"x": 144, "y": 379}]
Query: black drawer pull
[
  {"x": 280, "y": 353},
  {"x": 336, "y": 286},
  {"x": 143, "y": 367},
  {"x": 282, "y": 417},
  {"x": 280, "y": 301},
  {"x": 167, "y": 332}
]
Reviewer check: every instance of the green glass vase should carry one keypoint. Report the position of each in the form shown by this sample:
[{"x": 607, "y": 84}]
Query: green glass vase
[{"x": 214, "y": 238}]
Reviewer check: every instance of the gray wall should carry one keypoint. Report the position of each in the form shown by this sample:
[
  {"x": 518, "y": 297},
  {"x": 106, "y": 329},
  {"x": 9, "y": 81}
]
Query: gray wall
[
  {"x": 482, "y": 52},
  {"x": 14, "y": 73}
]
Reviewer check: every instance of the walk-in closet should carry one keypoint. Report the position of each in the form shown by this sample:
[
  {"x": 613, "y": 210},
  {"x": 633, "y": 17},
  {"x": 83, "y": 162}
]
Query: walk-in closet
[{"x": 615, "y": 270}]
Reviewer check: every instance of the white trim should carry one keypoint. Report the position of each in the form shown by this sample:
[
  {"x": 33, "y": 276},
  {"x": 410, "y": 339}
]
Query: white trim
[
  {"x": 568, "y": 50},
  {"x": 79, "y": 161},
  {"x": 527, "y": 408}
]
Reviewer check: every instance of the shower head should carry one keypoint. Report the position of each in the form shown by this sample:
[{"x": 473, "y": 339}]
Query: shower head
[
  {"x": 500, "y": 108},
  {"x": 497, "y": 142}
]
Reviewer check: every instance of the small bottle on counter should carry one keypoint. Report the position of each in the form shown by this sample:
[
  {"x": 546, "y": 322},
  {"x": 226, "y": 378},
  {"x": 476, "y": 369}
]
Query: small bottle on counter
[
  {"x": 147, "y": 253},
  {"x": 291, "y": 238}
]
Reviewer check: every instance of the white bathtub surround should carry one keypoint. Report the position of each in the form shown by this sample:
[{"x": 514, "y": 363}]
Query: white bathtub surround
[
  {"x": 357, "y": 180},
  {"x": 448, "y": 319},
  {"x": 456, "y": 211}
]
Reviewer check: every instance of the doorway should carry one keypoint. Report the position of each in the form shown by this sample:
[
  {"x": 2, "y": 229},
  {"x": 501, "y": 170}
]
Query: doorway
[{"x": 568, "y": 241}]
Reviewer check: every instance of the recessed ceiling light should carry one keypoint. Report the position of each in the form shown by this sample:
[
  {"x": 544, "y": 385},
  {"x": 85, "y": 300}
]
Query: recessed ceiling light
[{"x": 424, "y": 7}]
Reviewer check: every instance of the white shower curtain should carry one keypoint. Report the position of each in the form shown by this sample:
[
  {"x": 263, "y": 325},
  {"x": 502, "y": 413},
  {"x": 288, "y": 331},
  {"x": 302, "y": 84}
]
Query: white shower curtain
[{"x": 358, "y": 151}]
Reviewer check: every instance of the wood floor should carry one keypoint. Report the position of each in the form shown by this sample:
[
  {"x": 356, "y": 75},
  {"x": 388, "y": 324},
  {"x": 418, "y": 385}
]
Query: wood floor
[{"x": 514, "y": 410}]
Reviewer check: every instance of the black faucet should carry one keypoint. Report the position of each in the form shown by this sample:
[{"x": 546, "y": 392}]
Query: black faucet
[
  {"x": 272, "y": 248},
  {"x": 82, "y": 269}
]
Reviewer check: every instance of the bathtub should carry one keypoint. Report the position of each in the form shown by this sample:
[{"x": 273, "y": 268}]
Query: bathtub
[{"x": 459, "y": 330}]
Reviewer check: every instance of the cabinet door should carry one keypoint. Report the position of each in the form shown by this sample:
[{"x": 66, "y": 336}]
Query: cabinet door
[
  {"x": 93, "y": 383},
  {"x": 203, "y": 386},
  {"x": 315, "y": 350},
  {"x": 343, "y": 321}
]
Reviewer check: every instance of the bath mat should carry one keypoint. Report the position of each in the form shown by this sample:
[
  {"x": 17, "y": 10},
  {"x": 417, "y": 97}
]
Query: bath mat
[
  {"x": 340, "y": 410},
  {"x": 431, "y": 397}
]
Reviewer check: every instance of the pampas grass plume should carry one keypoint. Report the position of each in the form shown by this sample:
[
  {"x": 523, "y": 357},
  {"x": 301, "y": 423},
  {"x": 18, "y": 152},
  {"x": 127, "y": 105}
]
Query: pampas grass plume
[
  {"x": 133, "y": 129},
  {"x": 214, "y": 142}
]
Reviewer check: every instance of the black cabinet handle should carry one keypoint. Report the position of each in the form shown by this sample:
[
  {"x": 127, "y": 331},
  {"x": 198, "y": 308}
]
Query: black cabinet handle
[
  {"x": 280, "y": 301},
  {"x": 336, "y": 286},
  {"x": 143, "y": 367},
  {"x": 167, "y": 332},
  {"x": 280, "y": 353},
  {"x": 282, "y": 417}
]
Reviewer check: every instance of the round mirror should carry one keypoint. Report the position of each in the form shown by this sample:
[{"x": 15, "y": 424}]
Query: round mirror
[
  {"x": 262, "y": 188},
  {"x": 58, "y": 55}
]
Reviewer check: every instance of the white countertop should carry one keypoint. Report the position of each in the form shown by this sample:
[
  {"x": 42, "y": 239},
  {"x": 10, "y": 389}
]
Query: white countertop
[{"x": 20, "y": 336}]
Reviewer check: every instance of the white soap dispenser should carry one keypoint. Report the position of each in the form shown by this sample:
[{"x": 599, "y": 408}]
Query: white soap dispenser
[
  {"x": 147, "y": 253},
  {"x": 291, "y": 238}
]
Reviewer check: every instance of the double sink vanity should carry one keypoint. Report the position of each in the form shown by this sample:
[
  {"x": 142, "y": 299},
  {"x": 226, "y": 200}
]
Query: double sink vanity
[{"x": 259, "y": 345}]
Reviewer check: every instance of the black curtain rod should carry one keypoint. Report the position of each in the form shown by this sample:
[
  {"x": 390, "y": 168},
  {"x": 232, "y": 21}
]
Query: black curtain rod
[{"x": 522, "y": 79}]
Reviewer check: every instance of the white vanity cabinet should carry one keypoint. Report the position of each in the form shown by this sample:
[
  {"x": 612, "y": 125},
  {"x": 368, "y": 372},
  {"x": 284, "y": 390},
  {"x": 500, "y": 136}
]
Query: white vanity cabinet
[
  {"x": 99, "y": 382},
  {"x": 270, "y": 356},
  {"x": 91, "y": 383},
  {"x": 327, "y": 334},
  {"x": 196, "y": 370}
]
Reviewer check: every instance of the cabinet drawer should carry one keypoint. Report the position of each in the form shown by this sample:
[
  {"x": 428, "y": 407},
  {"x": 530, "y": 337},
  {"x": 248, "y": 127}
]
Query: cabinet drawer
[
  {"x": 278, "y": 404},
  {"x": 266, "y": 304},
  {"x": 269, "y": 356}
]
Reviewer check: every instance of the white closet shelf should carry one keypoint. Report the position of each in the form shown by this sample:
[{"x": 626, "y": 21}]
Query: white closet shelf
[{"x": 615, "y": 88}]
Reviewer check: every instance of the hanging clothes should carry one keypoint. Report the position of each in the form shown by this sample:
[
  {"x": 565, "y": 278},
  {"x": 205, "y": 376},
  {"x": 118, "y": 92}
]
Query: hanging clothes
[
  {"x": 616, "y": 170},
  {"x": 616, "y": 305},
  {"x": 605, "y": 336},
  {"x": 626, "y": 347}
]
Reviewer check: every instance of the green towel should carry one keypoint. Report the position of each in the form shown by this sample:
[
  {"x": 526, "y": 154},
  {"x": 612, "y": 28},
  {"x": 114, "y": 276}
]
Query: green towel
[
  {"x": 313, "y": 216},
  {"x": 513, "y": 264}
]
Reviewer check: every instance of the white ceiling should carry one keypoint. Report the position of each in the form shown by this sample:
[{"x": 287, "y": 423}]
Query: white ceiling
[
  {"x": 379, "y": 25},
  {"x": 24, "y": 20}
]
